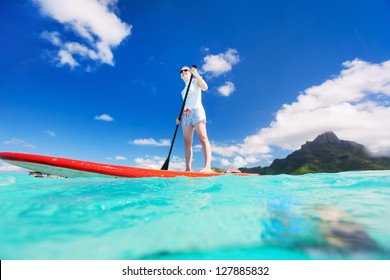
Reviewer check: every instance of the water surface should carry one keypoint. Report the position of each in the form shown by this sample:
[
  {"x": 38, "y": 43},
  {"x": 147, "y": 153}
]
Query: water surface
[{"x": 316, "y": 216}]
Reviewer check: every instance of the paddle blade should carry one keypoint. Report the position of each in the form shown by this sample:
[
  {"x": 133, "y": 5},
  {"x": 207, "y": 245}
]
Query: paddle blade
[{"x": 165, "y": 165}]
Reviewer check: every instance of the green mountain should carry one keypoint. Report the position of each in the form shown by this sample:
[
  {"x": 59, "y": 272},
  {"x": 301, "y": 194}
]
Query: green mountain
[{"x": 327, "y": 153}]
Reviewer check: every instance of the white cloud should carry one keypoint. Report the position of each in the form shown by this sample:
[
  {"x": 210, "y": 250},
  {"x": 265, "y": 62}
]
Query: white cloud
[
  {"x": 53, "y": 37},
  {"x": 66, "y": 57},
  {"x": 97, "y": 27},
  {"x": 226, "y": 89},
  {"x": 5, "y": 167},
  {"x": 104, "y": 117},
  {"x": 220, "y": 63},
  {"x": 236, "y": 155},
  {"x": 14, "y": 141},
  {"x": 19, "y": 142},
  {"x": 157, "y": 162},
  {"x": 197, "y": 148},
  {"x": 50, "y": 133},
  {"x": 151, "y": 142},
  {"x": 355, "y": 105},
  {"x": 120, "y": 158}
]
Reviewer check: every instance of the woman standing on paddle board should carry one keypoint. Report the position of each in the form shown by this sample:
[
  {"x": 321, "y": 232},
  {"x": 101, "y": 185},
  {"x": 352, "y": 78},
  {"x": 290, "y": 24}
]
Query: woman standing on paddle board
[{"x": 194, "y": 117}]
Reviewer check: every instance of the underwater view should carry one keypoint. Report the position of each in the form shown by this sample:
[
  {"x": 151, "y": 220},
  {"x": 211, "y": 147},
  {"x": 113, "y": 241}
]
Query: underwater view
[{"x": 314, "y": 216}]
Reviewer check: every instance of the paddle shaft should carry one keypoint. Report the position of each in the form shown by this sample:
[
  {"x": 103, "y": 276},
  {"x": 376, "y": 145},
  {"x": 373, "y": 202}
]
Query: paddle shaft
[{"x": 166, "y": 163}]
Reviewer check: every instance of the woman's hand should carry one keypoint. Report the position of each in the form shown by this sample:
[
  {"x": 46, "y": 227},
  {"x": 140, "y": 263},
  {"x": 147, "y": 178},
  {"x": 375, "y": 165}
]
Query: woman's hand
[
  {"x": 194, "y": 72},
  {"x": 178, "y": 121},
  {"x": 201, "y": 83}
]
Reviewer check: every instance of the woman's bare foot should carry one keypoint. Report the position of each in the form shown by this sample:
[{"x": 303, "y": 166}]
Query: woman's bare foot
[{"x": 207, "y": 170}]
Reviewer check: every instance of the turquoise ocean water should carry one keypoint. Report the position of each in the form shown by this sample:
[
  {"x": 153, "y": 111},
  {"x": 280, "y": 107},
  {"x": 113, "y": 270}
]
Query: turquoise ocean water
[{"x": 316, "y": 216}]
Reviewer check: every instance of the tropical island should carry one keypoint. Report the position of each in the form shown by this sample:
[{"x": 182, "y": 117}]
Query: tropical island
[{"x": 325, "y": 154}]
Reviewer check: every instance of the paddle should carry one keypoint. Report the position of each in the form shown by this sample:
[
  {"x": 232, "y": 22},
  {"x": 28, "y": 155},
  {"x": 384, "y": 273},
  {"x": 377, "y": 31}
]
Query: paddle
[{"x": 166, "y": 163}]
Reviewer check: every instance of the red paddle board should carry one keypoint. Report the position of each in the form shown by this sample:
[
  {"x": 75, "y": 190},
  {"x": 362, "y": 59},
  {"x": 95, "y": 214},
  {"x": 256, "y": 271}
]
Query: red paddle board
[{"x": 77, "y": 168}]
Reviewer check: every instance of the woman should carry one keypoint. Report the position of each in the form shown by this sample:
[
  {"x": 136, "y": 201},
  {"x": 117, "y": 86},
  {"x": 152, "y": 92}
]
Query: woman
[{"x": 194, "y": 117}]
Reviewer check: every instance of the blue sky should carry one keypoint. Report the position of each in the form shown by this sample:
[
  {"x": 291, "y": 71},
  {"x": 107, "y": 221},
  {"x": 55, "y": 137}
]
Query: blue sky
[{"x": 99, "y": 80}]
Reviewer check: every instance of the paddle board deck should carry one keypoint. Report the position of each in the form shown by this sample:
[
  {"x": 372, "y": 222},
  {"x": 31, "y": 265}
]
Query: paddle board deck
[{"x": 80, "y": 169}]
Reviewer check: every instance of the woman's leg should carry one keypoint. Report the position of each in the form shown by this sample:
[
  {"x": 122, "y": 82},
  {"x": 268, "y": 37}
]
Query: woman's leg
[
  {"x": 188, "y": 132},
  {"x": 202, "y": 134}
]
